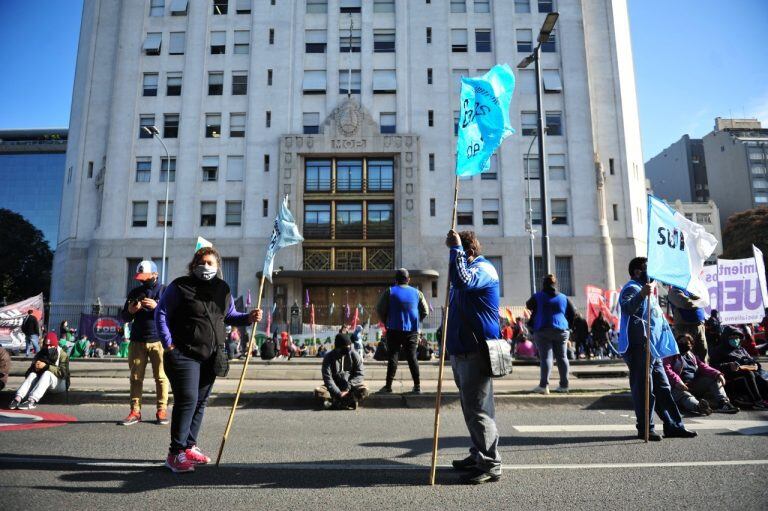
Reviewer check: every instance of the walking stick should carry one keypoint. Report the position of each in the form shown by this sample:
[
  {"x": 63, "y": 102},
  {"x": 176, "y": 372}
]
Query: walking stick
[
  {"x": 442, "y": 347},
  {"x": 647, "y": 432},
  {"x": 242, "y": 376}
]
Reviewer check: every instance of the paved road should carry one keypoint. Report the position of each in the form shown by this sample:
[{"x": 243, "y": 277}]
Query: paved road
[{"x": 378, "y": 459}]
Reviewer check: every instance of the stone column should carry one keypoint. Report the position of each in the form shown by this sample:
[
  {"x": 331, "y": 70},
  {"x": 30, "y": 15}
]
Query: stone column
[{"x": 605, "y": 236}]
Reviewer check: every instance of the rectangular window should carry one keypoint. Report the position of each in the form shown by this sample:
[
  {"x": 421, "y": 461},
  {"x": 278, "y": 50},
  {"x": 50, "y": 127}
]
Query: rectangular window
[
  {"x": 173, "y": 84},
  {"x": 535, "y": 211},
  {"x": 482, "y": 41},
  {"x": 429, "y": 35},
  {"x": 268, "y": 119},
  {"x": 465, "y": 212},
  {"x": 243, "y": 7},
  {"x": 431, "y": 207},
  {"x": 611, "y": 166},
  {"x": 528, "y": 122},
  {"x": 384, "y": 41},
  {"x": 242, "y": 42},
  {"x": 157, "y": 7},
  {"x": 380, "y": 221},
  {"x": 349, "y": 175},
  {"x": 349, "y": 40},
  {"x": 349, "y": 5},
  {"x": 551, "y": 80},
  {"x": 152, "y": 43},
  {"x": 429, "y": 76},
  {"x": 554, "y": 124},
  {"x": 524, "y": 40},
  {"x": 235, "y": 168},
  {"x": 317, "y": 6},
  {"x": 220, "y": 7},
  {"x": 531, "y": 166},
  {"x": 380, "y": 175},
  {"x": 496, "y": 262},
  {"x": 349, "y": 220},
  {"x": 215, "y": 84},
  {"x": 269, "y": 77},
  {"x": 212, "y": 125},
  {"x": 237, "y": 125},
  {"x": 265, "y": 207},
  {"x": 176, "y": 43},
  {"x": 271, "y": 36},
  {"x": 492, "y": 173},
  {"x": 90, "y": 169},
  {"x": 210, "y": 168},
  {"x": 431, "y": 162},
  {"x": 564, "y": 274},
  {"x": 556, "y": 163},
  {"x": 140, "y": 212},
  {"x": 458, "y": 40},
  {"x": 482, "y": 6},
  {"x": 755, "y": 154},
  {"x": 239, "y": 84},
  {"x": 207, "y": 213},
  {"x": 315, "y": 41},
  {"x": 146, "y": 121},
  {"x": 161, "y": 213},
  {"x": 549, "y": 46},
  {"x": 455, "y": 122},
  {"x": 384, "y": 81},
  {"x": 170, "y": 125},
  {"x": 315, "y": 81},
  {"x": 349, "y": 81},
  {"x": 311, "y": 123},
  {"x": 317, "y": 176},
  {"x": 388, "y": 122},
  {"x": 430, "y": 118},
  {"x": 164, "y": 173},
  {"x": 143, "y": 170},
  {"x": 218, "y": 43},
  {"x": 490, "y": 211},
  {"x": 615, "y": 212},
  {"x": 233, "y": 212},
  {"x": 230, "y": 273},
  {"x": 545, "y": 6},
  {"x": 266, "y": 163},
  {"x": 559, "y": 211},
  {"x": 458, "y": 5},
  {"x": 179, "y": 7},
  {"x": 383, "y": 5},
  {"x": 522, "y": 6},
  {"x": 150, "y": 84}
]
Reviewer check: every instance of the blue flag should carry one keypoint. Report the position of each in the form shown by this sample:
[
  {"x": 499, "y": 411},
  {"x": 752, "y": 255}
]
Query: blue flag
[
  {"x": 483, "y": 118},
  {"x": 285, "y": 233}
]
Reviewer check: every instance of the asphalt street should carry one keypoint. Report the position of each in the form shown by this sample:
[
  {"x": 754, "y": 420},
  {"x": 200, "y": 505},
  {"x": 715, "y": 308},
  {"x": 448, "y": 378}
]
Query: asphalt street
[{"x": 378, "y": 459}]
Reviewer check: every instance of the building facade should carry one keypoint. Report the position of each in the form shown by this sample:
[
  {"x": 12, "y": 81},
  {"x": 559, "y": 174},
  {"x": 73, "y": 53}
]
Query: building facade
[
  {"x": 32, "y": 163},
  {"x": 679, "y": 172},
  {"x": 705, "y": 214},
  {"x": 349, "y": 108}
]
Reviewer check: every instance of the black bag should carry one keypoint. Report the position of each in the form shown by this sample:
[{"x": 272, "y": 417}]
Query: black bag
[
  {"x": 498, "y": 353},
  {"x": 220, "y": 361}
]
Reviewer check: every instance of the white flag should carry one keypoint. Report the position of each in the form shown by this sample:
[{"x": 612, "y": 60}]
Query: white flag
[
  {"x": 285, "y": 233},
  {"x": 760, "y": 263}
]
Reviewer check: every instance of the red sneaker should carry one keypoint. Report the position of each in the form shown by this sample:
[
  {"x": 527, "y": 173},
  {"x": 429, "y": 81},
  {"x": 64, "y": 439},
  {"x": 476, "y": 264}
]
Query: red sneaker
[
  {"x": 196, "y": 456},
  {"x": 179, "y": 463},
  {"x": 132, "y": 418},
  {"x": 162, "y": 416}
]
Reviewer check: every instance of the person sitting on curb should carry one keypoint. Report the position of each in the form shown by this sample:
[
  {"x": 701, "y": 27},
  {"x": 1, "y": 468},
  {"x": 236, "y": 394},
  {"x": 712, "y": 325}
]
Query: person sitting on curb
[
  {"x": 343, "y": 374},
  {"x": 49, "y": 371},
  {"x": 745, "y": 381},
  {"x": 694, "y": 383}
]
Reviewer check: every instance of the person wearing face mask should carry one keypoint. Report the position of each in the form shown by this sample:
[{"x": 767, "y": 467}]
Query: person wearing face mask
[
  {"x": 745, "y": 380},
  {"x": 145, "y": 346},
  {"x": 191, "y": 319},
  {"x": 343, "y": 376},
  {"x": 634, "y": 302}
]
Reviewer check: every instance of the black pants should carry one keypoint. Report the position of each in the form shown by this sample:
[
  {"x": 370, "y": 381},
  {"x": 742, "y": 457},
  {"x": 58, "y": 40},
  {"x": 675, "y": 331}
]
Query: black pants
[
  {"x": 191, "y": 383},
  {"x": 409, "y": 341},
  {"x": 749, "y": 384}
]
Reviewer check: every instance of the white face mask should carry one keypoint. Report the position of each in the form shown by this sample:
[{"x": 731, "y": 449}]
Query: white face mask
[{"x": 204, "y": 271}]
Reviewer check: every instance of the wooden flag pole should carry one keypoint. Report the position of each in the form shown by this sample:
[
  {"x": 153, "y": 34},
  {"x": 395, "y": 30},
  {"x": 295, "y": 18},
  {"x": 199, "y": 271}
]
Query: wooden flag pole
[
  {"x": 242, "y": 376},
  {"x": 647, "y": 432},
  {"x": 433, "y": 468}
]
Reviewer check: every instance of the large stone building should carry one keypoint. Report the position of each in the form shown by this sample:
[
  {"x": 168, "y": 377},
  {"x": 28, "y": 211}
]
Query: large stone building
[
  {"x": 679, "y": 172},
  {"x": 348, "y": 108}
]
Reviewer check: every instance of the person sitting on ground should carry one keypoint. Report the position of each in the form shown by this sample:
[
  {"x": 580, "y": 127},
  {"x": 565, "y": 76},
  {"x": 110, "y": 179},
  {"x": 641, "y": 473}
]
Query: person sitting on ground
[
  {"x": 382, "y": 352},
  {"x": 343, "y": 376},
  {"x": 112, "y": 348},
  {"x": 5, "y": 367},
  {"x": 81, "y": 347},
  {"x": 301, "y": 350},
  {"x": 745, "y": 381},
  {"x": 525, "y": 350},
  {"x": 696, "y": 385},
  {"x": 268, "y": 349},
  {"x": 423, "y": 351},
  {"x": 49, "y": 372}
]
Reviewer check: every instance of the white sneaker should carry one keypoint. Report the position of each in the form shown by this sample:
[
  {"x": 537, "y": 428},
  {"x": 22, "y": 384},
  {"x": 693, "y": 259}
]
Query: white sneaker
[
  {"x": 540, "y": 390},
  {"x": 561, "y": 390}
]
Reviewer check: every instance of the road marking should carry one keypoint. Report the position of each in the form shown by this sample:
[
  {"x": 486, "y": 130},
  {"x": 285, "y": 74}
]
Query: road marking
[{"x": 745, "y": 427}]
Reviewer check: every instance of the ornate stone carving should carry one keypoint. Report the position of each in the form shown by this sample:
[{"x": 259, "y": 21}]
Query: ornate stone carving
[
  {"x": 409, "y": 204},
  {"x": 347, "y": 118},
  {"x": 409, "y": 172},
  {"x": 408, "y": 157},
  {"x": 409, "y": 188}
]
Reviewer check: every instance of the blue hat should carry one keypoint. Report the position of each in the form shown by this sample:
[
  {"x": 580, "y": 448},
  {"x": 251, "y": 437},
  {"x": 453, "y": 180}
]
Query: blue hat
[{"x": 145, "y": 269}]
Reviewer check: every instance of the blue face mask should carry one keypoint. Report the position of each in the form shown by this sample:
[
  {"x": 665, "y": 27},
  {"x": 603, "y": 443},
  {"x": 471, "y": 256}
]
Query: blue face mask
[{"x": 735, "y": 342}]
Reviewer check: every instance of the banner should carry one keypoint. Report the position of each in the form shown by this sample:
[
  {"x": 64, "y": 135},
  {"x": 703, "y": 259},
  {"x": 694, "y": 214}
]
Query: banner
[
  {"x": 101, "y": 329},
  {"x": 599, "y": 300},
  {"x": 760, "y": 264},
  {"x": 734, "y": 291},
  {"x": 12, "y": 316}
]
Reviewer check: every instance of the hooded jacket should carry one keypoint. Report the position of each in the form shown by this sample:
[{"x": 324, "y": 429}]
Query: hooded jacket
[{"x": 342, "y": 370}]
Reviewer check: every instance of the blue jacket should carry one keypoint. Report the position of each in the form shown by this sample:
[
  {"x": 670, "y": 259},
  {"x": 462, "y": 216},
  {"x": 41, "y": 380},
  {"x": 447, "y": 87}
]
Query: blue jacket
[
  {"x": 550, "y": 309},
  {"x": 143, "y": 328},
  {"x": 474, "y": 303},
  {"x": 634, "y": 323}
]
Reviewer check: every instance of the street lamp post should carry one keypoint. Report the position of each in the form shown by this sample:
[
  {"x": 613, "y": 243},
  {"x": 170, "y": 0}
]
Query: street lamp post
[
  {"x": 152, "y": 130},
  {"x": 544, "y": 33},
  {"x": 529, "y": 221}
]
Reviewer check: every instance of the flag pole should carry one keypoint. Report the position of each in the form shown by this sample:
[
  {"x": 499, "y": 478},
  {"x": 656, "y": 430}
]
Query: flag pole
[
  {"x": 433, "y": 468},
  {"x": 242, "y": 375},
  {"x": 647, "y": 420}
]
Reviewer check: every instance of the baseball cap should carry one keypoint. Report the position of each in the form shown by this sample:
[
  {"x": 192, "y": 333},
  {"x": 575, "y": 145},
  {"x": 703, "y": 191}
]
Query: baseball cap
[{"x": 144, "y": 270}]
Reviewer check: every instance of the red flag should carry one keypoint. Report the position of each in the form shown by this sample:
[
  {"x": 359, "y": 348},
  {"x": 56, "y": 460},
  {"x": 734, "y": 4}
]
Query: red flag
[
  {"x": 598, "y": 301},
  {"x": 269, "y": 323},
  {"x": 355, "y": 318},
  {"x": 312, "y": 315}
]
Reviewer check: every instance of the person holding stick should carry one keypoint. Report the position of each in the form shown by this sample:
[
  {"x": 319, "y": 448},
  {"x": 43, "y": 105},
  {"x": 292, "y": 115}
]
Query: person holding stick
[
  {"x": 473, "y": 317},
  {"x": 634, "y": 299},
  {"x": 190, "y": 319}
]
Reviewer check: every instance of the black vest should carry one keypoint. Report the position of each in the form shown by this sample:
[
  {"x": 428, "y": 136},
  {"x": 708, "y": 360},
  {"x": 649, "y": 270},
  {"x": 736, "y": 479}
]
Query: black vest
[{"x": 198, "y": 321}]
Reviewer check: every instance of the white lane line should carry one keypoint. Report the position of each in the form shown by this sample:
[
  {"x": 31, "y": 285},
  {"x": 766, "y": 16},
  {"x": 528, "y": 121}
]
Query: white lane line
[{"x": 747, "y": 427}]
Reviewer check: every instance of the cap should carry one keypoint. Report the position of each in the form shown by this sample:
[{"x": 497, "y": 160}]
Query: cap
[
  {"x": 342, "y": 341},
  {"x": 144, "y": 270},
  {"x": 401, "y": 274},
  {"x": 729, "y": 332}
]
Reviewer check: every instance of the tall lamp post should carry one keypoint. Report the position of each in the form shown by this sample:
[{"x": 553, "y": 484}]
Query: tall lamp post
[
  {"x": 152, "y": 130},
  {"x": 544, "y": 33},
  {"x": 529, "y": 221}
]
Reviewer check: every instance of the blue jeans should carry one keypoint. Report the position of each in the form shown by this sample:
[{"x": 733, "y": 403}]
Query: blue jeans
[
  {"x": 550, "y": 340},
  {"x": 661, "y": 392},
  {"x": 32, "y": 340},
  {"x": 191, "y": 382}
]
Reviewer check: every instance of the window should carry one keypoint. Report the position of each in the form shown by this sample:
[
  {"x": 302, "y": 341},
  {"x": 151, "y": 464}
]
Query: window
[
  {"x": 383, "y": 5},
  {"x": 146, "y": 121},
  {"x": 430, "y": 118},
  {"x": 615, "y": 212},
  {"x": 170, "y": 125},
  {"x": 549, "y": 46},
  {"x": 235, "y": 168},
  {"x": 150, "y": 84},
  {"x": 218, "y": 43},
  {"x": 215, "y": 84},
  {"x": 455, "y": 122},
  {"x": 233, "y": 212},
  {"x": 271, "y": 36},
  {"x": 531, "y": 166},
  {"x": 230, "y": 273},
  {"x": 535, "y": 208},
  {"x": 152, "y": 43},
  {"x": 90, "y": 169},
  {"x": 528, "y": 122},
  {"x": 545, "y": 6},
  {"x": 317, "y": 176},
  {"x": 266, "y": 163},
  {"x": 456, "y": 75},
  {"x": 496, "y": 262},
  {"x": 380, "y": 175},
  {"x": 237, "y": 125},
  {"x": 179, "y": 7},
  {"x": 315, "y": 82},
  {"x": 431, "y": 162},
  {"x": 265, "y": 207},
  {"x": 380, "y": 222},
  {"x": 482, "y": 6},
  {"x": 384, "y": 81},
  {"x": 490, "y": 211},
  {"x": 176, "y": 44},
  {"x": 431, "y": 207},
  {"x": 173, "y": 84},
  {"x": 239, "y": 84},
  {"x": 268, "y": 119},
  {"x": 611, "y": 166},
  {"x": 315, "y": 41},
  {"x": 156, "y": 7},
  {"x": 349, "y": 41},
  {"x": 524, "y": 40},
  {"x": 459, "y": 40},
  {"x": 388, "y": 122},
  {"x": 383, "y": 41},
  {"x": 758, "y": 170},
  {"x": 317, "y": 220},
  {"x": 551, "y": 79},
  {"x": 429, "y": 35},
  {"x": 210, "y": 168},
  {"x": 212, "y": 125},
  {"x": 161, "y": 213},
  {"x": 143, "y": 170},
  {"x": 556, "y": 164},
  {"x": 207, "y": 214},
  {"x": 492, "y": 173},
  {"x": 242, "y": 42},
  {"x": 706, "y": 218},
  {"x": 483, "y": 41},
  {"x": 349, "y": 220},
  {"x": 564, "y": 274},
  {"x": 554, "y": 123},
  {"x": 349, "y": 83},
  {"x": 458, "y": 5},
  {"x": 464, "y": 212},
  {"x": 317, "y": 6},
  {"x": 522, "y": 6},
  {"x": 429, "y": 76},
  {"x": 140, "y": 212},
  {"x": 559, "y": 211},
  {"x": 755, "y": 154},
  {"x": 269, "y": 77},
  {"x": 311, "y": 123},
  {"x": 164, "y": 173},
  {"x": 243, "y": 7},
  {"x": 349, "y": 5},
  {"x": 220, "y": 7},
  {"x": 349, "y": 175}
]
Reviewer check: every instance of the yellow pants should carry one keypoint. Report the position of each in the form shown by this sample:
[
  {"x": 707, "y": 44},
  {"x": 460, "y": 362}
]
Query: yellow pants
[{"x": 139, "y": 353}]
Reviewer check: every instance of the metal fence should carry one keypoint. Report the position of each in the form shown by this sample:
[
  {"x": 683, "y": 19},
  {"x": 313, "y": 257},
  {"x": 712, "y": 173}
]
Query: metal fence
[{"x": 56, "y": 312}]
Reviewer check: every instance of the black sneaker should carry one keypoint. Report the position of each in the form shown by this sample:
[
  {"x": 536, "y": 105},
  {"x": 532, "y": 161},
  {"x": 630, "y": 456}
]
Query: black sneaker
[
  {"x": 467, "y": 463},
  {"x": 726, "y": 408},
  {"x": 28, "y": 405},
  {"x": 14, "y": 404},
  {"x": 386, "y": 389},
  {"x": 679, "y": 433},
  {"x": 652, "y": 436},
  {"x": 704, "y": 408},
  {"x": 477, "y": 476},
  {"x": 416, "y": 389}
]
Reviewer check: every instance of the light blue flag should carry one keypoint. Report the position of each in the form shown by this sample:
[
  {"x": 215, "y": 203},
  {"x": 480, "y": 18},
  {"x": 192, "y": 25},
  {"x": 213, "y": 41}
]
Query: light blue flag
[
  {"x": 483, "y": 118},
  {"x": 285, "y": 233}
]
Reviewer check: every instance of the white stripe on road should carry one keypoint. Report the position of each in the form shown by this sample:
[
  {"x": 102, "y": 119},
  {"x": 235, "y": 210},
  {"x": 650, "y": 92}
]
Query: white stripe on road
[{"x": 745, "y": 427}]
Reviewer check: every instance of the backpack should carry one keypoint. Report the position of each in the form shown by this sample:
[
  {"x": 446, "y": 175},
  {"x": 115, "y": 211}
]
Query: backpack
[
  {"x": 381, "y": 353},
  {"x": 268, "y": 349}
]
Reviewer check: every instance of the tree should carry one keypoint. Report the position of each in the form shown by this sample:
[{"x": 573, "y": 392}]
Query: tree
[
  {"x": 742, "y": 230},
  {"x": 25, "y": 258}
]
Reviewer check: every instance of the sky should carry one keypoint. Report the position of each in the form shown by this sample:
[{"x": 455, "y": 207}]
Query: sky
[{"x": 694, "y": 60}]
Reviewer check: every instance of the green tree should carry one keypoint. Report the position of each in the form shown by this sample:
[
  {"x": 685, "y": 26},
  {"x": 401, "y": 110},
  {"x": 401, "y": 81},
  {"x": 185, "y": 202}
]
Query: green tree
[
  {"x": 742, "y": 230},
  {"x": 25, "y": 258}
]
